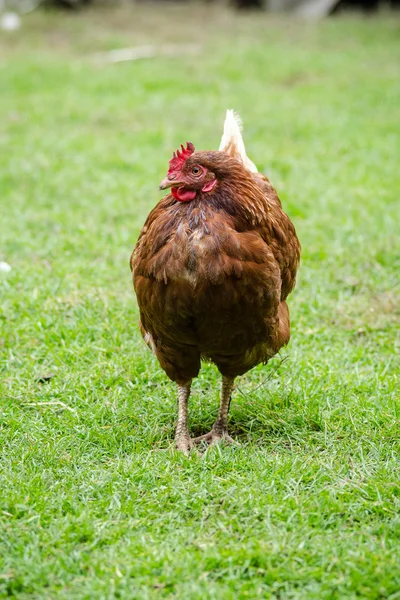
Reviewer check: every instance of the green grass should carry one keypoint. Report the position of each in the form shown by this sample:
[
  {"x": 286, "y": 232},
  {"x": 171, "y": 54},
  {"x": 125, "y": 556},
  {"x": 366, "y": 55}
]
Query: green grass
[{"x": 94, "y": 502}]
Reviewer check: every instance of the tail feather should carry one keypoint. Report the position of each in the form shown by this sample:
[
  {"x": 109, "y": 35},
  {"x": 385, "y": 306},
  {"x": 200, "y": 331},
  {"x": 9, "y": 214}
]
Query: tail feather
[{"x": 232, "y": 141}]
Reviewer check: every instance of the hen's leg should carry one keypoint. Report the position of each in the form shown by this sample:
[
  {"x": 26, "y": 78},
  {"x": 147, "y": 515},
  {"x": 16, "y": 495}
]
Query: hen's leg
[
  {"x": 182, "y": 437},
  {"x": 220, "y": 427}
]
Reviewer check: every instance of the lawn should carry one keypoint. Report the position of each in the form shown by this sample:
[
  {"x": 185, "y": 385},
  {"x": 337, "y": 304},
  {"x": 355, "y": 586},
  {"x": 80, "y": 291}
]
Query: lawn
[{"x": 94, "y": 501}]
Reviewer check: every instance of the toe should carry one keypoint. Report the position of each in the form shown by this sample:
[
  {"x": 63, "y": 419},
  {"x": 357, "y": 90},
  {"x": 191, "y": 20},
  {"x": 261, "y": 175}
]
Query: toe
[
  {"x": 203, "y": 438},
  {"x": 229, "y": 440},
  {"x": 213, "y": 437}
]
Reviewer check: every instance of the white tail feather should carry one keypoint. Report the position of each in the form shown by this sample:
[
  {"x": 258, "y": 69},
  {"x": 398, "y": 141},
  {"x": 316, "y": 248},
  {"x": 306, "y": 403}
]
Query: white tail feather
[{"x": 232, "y": 141}]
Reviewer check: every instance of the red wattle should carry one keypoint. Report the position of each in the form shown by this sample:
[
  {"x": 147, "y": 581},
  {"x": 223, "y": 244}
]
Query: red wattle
[{"x": 183, "y": 195}]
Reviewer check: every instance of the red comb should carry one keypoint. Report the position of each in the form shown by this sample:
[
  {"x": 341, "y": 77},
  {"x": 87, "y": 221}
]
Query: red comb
[{"x": 179, "y": 157}]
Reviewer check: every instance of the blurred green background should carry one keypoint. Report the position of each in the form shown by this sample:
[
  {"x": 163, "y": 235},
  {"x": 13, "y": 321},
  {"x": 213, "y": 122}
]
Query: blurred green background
[{"x": 94, "y": 502}]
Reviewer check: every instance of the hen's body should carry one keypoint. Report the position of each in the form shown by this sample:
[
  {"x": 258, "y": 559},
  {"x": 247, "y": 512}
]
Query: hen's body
[
  {"x": 211, "y": 280},
  {"x": 212, "y": 276}
]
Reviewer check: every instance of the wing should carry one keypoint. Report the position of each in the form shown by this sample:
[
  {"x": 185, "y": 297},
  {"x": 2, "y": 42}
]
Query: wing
[{"x": 277, "y": 230}]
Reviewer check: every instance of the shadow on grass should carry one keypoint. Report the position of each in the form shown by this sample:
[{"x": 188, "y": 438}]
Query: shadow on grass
[{"x": 266, "y": 429}]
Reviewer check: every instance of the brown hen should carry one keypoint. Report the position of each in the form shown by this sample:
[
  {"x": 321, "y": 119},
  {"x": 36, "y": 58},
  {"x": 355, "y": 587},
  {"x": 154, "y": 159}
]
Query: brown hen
[{"x": 212, "y": 268}]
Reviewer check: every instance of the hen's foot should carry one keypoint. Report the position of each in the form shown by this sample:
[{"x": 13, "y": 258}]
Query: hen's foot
[
  {"x": 184, "y": 444},
  {"x": 213, "y": 437}
]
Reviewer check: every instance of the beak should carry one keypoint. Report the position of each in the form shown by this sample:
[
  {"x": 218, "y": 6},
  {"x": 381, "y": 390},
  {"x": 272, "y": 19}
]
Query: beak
[{"x": 167, "y": 183}]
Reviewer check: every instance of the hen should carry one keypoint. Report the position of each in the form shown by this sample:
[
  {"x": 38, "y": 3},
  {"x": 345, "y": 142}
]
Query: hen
[{"x": 212, "y": 268}]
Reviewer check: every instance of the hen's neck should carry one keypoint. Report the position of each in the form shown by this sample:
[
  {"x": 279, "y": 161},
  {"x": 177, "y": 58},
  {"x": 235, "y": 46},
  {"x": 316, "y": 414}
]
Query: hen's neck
[{"x": 240, "y": 197}]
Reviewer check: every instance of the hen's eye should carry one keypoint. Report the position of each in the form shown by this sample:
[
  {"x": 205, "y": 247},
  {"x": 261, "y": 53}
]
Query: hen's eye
[{"x": 196, "y": 171}]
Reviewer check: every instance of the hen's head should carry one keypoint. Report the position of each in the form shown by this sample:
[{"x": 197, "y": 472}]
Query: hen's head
[{"x": 188, "y": 175}]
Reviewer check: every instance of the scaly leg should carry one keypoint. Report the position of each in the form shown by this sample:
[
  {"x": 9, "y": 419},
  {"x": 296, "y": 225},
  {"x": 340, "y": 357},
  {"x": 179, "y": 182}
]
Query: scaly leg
[
  {"x": 182, "y": 437},
  {"x": 220, "y": 427}
]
